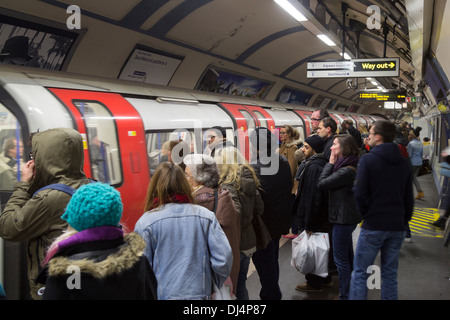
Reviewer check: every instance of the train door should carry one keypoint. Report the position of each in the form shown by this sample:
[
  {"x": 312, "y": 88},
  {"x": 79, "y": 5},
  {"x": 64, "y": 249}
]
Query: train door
[
  {"x": 264, "y": 118},
  {"x": 306, "y": 117},
  {"x": 14, "y": 151},
  {"x": 247, "y": 118},
  {"x": 114, "y": 143}
]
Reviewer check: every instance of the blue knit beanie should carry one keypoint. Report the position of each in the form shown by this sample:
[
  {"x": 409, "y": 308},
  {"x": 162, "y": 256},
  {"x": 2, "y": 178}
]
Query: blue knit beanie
[{"x": 94, "y": 205}]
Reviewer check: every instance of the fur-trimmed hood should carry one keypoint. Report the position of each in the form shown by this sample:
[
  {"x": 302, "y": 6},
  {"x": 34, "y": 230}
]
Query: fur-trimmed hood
[{"x": 124, "y": 258}]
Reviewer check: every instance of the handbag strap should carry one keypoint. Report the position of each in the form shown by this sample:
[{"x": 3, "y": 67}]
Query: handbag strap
[{"x": 216, "y": 200}]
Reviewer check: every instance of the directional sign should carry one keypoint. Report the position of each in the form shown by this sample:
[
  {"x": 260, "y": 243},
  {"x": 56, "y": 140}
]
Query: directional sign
[
  {"x": 329, "y": 74},
  {"x": 329, "y": 65},
  {"x": 356, "y": 68}
]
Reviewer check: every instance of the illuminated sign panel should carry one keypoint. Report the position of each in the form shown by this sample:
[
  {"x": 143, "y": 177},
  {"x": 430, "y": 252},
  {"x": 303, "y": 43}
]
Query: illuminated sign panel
[
  {"x": 356, "y": 68},
  {"x": 382, "y": 96}
]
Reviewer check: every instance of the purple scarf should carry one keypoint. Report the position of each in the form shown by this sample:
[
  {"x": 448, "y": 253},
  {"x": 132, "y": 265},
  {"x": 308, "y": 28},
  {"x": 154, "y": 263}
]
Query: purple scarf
[
  {"x": 351, "y": 160},
  {"x": 88, "y": 235}
]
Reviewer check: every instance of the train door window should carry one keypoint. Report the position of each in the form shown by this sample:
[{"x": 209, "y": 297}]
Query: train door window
[
  {"x": 102, "y": 140},
  {"x": 249, "y": 119},
  {"x": 262, "y": 119},
  {"x": 159, "y": 143},
  {"x": 11, "y": 153}
]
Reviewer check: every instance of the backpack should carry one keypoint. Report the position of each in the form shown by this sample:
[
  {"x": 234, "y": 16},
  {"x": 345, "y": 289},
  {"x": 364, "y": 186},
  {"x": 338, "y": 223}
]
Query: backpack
[
  {"x": 61, "y": 187},
  {"x": 58, "y": 186}
]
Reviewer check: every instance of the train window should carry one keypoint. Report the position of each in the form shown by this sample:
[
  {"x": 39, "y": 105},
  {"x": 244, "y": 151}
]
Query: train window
[
  {"x": 12, "y": 153},
  {"x": 261, "y": 118},
  {"x": 158, "y": 145},
  {"x": 249, "y": 119},
  {"x": 103, "y": 143}
]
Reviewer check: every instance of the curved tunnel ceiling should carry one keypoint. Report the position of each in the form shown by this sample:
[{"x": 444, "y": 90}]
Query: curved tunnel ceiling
[{"x": 259, "y": 35}]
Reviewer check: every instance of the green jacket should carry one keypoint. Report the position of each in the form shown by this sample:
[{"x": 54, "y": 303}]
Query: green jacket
[{"x": 58, "y": 157}]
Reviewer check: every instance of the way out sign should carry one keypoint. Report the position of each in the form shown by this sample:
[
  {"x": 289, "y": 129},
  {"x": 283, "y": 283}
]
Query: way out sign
[{"x": 356, "y": 68}]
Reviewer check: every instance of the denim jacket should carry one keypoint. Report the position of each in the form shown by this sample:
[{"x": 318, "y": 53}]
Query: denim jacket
[
  {"x": 415, "y": 151},
  {"x": 185, "y": 244}
]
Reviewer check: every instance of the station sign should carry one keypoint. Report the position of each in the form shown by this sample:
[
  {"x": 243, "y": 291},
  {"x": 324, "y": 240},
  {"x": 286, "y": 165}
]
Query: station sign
[
  {"x": 382, "y": 96},
  {"x": 356, "y": 68}
]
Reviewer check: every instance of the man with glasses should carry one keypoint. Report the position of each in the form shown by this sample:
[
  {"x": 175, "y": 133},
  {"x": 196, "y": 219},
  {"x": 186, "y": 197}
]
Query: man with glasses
[
  {"x": 316, "y": 116},
  {"x": 384, "y": 195}
]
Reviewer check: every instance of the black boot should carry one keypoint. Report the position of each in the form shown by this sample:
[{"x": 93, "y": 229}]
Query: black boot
[{"x": 440, "y": 223}]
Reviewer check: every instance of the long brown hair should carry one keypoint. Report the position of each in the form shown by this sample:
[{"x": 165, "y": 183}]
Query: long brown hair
[
  {"x": 348, "y": 145},
  {"x": 168, "y": 180}
]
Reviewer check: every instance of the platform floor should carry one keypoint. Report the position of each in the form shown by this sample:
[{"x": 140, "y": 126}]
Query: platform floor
[{"x": 424, "y": 267}]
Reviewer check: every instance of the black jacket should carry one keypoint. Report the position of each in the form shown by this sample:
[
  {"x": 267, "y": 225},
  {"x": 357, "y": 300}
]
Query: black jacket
[
  {"x": 342, "y": 206},
  {"x": 276, "y": 192},
  {"x": 311, "y": 204},
  {"x": 383, "y": 190},
  {"x": 109, "y": 269},
  {"x": 356, "y": 135}
]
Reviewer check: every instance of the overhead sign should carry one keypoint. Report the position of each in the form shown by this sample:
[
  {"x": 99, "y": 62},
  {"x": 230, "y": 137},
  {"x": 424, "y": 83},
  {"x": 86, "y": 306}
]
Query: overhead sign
[
  {"x": 356, "y": 68},
  {"x": 383, "y": 96}
]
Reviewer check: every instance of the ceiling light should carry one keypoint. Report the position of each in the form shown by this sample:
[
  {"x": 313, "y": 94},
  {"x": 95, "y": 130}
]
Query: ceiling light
[
  {"x": 325, "y": 39},
  {"x": 346, "y": 56},
  {"x": 289, "y": 8}
]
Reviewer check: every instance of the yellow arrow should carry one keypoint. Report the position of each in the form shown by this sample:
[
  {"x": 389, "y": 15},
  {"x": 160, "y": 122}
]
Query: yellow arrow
[{"x": 392, "y": 65}]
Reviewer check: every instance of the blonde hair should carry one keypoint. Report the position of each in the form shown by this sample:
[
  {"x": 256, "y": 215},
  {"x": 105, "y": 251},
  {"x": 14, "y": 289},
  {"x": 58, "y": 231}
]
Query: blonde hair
[
  {"x": 168, "y": 179},
  {"x": 231, "y": 163}
]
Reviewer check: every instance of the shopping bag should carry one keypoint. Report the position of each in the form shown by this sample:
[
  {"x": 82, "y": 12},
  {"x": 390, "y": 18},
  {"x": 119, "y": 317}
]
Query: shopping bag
[
  {"x": 321, "y": 246},
  {"x": 303, "y": 254},
  {"x": 223, "y": 293}
]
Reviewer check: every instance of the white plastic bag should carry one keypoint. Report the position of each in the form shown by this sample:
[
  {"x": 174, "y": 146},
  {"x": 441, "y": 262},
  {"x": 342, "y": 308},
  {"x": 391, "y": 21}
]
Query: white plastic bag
[
  {"x": 303, "y": 254},
  {"x": 321, "y": 244},
  {"x": 223, "y": 293}
]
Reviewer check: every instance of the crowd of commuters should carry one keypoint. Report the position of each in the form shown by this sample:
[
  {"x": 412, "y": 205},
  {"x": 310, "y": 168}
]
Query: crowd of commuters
[{"x": 207, "y": 216}]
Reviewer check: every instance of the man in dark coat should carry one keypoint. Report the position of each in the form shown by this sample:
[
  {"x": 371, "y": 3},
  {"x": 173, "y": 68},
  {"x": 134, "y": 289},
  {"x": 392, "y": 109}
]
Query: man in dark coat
[
  {"x": 326, "y": 130},
  {"x": 275, "y": 177},
  {"x": 311, "y": 204},
  {"x": 384, "y": 197}
]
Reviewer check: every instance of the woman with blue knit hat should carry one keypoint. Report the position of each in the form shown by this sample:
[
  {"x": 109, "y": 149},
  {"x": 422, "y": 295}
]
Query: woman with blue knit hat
[{"x": 95, "y": 259}]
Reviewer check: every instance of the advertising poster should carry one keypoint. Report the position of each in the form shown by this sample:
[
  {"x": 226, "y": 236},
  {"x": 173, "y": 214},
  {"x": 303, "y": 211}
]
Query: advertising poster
[
  {"x": 220, "y": 81},
  {"x": 33, "y": 45},
  {"x": 292, "y": 96},
  {"x": 149, "y": 66},
  {"x": 322, "y": 102}
]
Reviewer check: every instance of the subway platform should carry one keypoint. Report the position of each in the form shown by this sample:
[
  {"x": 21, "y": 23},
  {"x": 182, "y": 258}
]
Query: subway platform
[{"x": 424, "y": 266}]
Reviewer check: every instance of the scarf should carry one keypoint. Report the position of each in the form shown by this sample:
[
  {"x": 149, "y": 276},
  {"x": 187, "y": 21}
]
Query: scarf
[
  {"x": 173, "y": 198},
  {"x": 88, "y": 235},
  {"x": 351, "y": 160}
]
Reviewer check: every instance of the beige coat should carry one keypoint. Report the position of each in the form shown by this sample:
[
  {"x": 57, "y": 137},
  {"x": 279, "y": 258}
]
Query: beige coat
[{"x": 288, "y": 150}]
